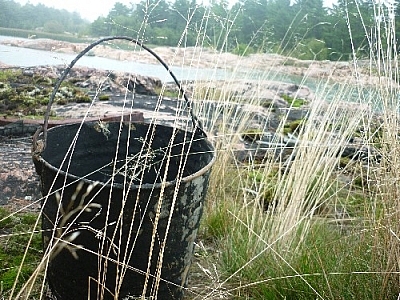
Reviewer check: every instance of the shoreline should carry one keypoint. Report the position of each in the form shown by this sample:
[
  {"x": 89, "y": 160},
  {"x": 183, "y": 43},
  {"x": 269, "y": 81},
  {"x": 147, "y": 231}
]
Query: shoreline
[{"x": 201, "y": 58}]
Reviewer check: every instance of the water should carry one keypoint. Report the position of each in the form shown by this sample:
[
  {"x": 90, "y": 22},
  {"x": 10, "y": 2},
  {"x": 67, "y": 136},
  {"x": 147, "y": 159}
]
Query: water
[{"x": 24, "y": 57}]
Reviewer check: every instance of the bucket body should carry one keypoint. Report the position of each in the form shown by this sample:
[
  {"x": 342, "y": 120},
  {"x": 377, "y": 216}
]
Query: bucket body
[{"x": 119, "y": 217}]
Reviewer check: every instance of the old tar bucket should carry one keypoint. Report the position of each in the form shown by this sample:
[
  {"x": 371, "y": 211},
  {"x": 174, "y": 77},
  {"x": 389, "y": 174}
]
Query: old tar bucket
[{"x": 121, "y": 206}]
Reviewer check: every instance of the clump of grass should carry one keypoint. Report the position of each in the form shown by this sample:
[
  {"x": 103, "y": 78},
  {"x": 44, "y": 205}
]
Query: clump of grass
[
  {"x": 217, "y": 93},
  {"x": 167, "y": 92},
  {"x": 104, "y": 97},
  {"x": 80, "y": 97},
  {"x": 217, "y": 223},
  {"x": 326, "y": 265}
]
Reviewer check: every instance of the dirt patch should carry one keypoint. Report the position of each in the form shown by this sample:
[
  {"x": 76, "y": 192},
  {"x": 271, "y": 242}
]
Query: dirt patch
[{"x": 19, "y": 183}]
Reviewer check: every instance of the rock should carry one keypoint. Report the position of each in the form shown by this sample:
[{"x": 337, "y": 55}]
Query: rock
[
  {"x": 361, "y": 152},
  {"x": 279, "y": 103},
  {"x": 18, "y": 128},
  {"x": 253, "y": 134},
  {"x": 305, "y": 93},
  {"x": 275, "y": 102},
  {"x": 90, "y": 78},
  {"x": 28, "y": 72},
  {"x": 293, "y": 114},
  {"x": 84, "y": 84},
  {"x": 145, "y": 86}
]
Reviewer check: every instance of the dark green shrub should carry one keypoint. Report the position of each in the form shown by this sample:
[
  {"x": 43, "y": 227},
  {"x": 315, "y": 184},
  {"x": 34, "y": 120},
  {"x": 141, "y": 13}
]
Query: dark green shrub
[
  {"x": 243, "y": 50},
  {"x": 311, "y": 49},
  {"x": 104, "y": 97}
]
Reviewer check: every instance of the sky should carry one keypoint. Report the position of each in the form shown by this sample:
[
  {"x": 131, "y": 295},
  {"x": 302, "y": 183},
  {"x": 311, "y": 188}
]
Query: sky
[{"x": 92, "y": 9}]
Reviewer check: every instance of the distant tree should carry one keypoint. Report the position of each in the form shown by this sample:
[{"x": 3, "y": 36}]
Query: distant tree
[
  {"x": 181, "y": 13},
  {"x": 396, "y": 11},
  {"x": 185, "y": 21},
  {"x": 100, "y": 27},
  {"x": 154, "y": 12},
  {"x": 310, "y": 49},
  {"x": 280, "y": 16},
  {"x": 351, "y": 22},
  {"x": 219, "y": 25},
  {"x": 118, "y": 10},
  {"x": 310, "y": 18},
  {"x": 29, "y": 16},
  {"x": 251, "y": 25},
  {"x": 8, "y": 13},
  {"x": 53, "y": 26},
  {"x": 349, "y": 28}
]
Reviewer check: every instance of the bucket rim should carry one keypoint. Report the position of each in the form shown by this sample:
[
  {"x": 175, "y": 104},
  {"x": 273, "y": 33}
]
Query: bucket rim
[{"x": 146, "y": 186}]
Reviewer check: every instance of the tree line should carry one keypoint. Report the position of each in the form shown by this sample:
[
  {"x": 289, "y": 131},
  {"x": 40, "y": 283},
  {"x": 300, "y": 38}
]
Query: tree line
[
  {"x": 40, "y": 17},
  {"x": 302, "y": 28}
]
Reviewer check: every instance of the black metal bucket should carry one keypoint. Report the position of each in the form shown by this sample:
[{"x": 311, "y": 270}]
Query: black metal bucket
[{"x": 122, "y": 206}]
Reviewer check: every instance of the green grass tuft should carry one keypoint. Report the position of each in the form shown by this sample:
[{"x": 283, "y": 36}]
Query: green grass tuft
[{"x": 15, "y": 233}]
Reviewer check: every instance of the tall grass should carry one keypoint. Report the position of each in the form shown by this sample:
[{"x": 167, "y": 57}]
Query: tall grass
[
  {"x": 309, "y": 225},
  {"x": 320, "y": 237}
]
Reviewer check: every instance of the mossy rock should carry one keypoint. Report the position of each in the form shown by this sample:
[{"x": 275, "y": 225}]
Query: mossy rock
[
  {"x": 252, "y": 135},
  {"x": 293, "y": 102},
  {"x": 28, "y": 93},
  {"x": 344, "y": 161},
  {"x": 266, "y": 103},
  {"x": 293, "y": 126}
]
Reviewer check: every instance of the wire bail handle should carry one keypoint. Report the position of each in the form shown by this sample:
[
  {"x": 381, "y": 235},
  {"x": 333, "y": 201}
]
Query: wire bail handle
[{"x": 195, "y": 121}]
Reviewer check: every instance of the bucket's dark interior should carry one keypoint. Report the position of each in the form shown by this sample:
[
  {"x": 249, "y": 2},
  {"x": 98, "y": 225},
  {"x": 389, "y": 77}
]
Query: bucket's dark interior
[{"x": 134, "y": 151}]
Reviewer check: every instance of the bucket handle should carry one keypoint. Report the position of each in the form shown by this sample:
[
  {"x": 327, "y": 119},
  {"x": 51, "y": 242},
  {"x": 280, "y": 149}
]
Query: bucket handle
[{"x": 195, "y": 121}]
